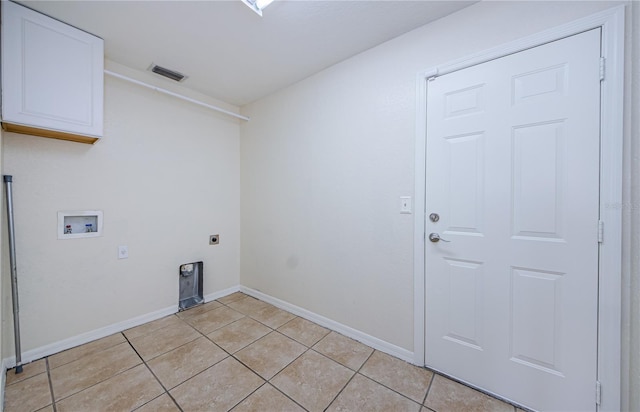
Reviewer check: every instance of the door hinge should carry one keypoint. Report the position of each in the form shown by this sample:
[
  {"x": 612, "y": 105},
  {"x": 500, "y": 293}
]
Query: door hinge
[
  {"x": 600, "y": 231},
  {"x": 602, "y": 67},
  {"x": 598, "y": 392}
]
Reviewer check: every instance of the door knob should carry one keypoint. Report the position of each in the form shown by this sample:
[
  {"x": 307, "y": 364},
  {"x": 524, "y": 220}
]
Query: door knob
[{"x": 434, "y": 237}]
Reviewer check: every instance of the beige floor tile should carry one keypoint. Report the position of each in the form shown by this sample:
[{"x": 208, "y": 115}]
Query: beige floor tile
[
  {"x": 238, "y": 334},
  {"x": 90, "y": 370},
  {"x": 162, "y": 403},
  {"x": 198, "y": 310},
  {"x": 87, "y": 349},
  {"x": 28, "y": 395},
  {"x": 409, "y": 380},
  {"x": 123, "y": 392},
  {"x": 303, "y": 331},
  {"x": 363, "y": 394},
  {"x": 28, "y": 370},
  {"x": 182, "y": 363},
  {"x": 348, "y": 352},
  {"x": 214, "y": 319},
  {"x": 273, "y": 317},
  {"x": 151, "y": 327},
  {"x": 312, "y": 380},
  {"x": 446, "y": 395},
  {"x": 270, "y": 354},
  {"x": 231, "y": 298},
  {"x": 163, "y": 340},
  {"x": 218, "y": 388},
  {"x": 45, "y": 409},
  {"x": 267, "y": 398},
  {"x": 249, "y": 305}
]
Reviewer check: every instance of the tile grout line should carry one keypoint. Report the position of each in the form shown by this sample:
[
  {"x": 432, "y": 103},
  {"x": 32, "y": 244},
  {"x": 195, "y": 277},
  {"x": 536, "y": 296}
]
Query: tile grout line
[
  {"x": 98, "y": 383},
  {"x": 434, "y": 373},
  {"x": 278, "y": 389},
  {"x": 229, "y": 355},
  {"x": 285, "y": 395},
  {"x": 252, "y": 392},
  {"x": 433, "y": 377},
  {"x": 48, "y": 370},
  {"x": 257, "y": 320},
  {"x": 295, "y": 340},
  {"x": 271, "y": 329},
  {"x": 247, "y": 315},
  {"x": 266, "y": 381},
  {"x": 154, "y": 375},
  {"x": 86, "y": 354},
  {"x": 53, "y": 398},
  {"x": 350, "y": 379},
  {"x": 358, "y": 372}
]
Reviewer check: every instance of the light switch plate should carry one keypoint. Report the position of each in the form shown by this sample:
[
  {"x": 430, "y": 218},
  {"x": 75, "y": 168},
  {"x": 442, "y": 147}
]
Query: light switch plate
[{"x": 405, "y": 204}]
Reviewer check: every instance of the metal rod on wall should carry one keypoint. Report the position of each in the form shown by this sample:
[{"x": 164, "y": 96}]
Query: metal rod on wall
[
  {"x": 179, "y": 96},
  {"x": 14, "y": 275}
]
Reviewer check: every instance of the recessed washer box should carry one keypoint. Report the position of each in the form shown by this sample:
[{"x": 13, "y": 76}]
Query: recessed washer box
[{"x": 79, "y": 224}]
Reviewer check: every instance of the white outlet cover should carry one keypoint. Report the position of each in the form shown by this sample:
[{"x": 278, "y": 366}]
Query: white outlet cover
[{"x": 123, "y": 252}]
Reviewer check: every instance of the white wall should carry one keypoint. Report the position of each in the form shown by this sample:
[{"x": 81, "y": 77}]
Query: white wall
[
  {"x": 325, "y": 161},
  {"x": 166, "y": 175}
]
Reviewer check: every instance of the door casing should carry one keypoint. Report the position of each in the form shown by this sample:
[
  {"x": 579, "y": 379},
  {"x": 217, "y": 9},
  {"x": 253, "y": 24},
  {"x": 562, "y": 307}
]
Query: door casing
[{"x": 611, "y": 172}]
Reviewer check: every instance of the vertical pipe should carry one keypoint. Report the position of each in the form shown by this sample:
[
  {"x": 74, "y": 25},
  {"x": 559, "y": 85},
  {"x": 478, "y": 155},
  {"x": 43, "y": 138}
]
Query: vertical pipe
[{"x": 14, "y": 276}]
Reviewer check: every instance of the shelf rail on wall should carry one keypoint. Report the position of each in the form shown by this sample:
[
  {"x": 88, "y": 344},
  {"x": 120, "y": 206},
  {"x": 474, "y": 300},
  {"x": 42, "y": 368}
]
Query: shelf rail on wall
[{"x": 179, "y": 96}]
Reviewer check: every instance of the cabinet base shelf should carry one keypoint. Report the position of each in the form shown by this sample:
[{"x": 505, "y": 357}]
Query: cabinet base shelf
[{"x": 53, "y": 134}]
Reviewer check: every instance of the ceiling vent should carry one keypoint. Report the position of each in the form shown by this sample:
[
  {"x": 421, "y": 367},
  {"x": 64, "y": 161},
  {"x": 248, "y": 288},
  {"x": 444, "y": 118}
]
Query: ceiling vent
[{"x": 170, "y": 74}]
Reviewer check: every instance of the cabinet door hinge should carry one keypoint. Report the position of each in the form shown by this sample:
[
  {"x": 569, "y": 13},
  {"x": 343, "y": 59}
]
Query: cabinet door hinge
[
  {"x": 600, "y": 231},
  {"x": 598, "y": 392},
  {"x": 602, "y": 67}
]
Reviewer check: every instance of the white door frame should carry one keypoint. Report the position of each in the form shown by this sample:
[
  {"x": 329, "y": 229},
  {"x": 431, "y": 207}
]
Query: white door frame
[{"x": 611, "y": 131}]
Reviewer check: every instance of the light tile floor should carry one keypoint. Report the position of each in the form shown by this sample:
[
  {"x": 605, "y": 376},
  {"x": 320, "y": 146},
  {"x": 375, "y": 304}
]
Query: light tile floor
[{"x": 237, "y": 353}]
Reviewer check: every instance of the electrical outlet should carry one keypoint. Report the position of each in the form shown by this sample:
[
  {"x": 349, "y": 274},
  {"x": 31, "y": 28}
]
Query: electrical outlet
[
  {"x": 214, "y": 239},
  {"x": 123, "y": 252}
]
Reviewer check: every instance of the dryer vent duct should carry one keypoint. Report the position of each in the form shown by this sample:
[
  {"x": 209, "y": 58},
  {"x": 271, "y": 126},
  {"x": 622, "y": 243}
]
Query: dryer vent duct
[
  {"x": 190, "y": 285},
  {"x": 170, "y": 74}
]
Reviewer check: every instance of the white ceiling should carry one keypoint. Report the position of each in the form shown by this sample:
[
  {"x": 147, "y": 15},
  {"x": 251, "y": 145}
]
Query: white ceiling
[{"x": 229, "y": 52}]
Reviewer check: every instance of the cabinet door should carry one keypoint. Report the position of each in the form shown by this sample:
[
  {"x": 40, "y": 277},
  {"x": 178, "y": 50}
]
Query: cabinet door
[{"x": 52, "y": 74}]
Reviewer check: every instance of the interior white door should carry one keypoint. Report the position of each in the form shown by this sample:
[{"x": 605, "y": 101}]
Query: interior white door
[{"x": 513, "y": 174}]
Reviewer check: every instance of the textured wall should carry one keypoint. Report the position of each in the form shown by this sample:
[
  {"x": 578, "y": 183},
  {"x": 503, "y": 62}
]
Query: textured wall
[
  {"x": 166, "y": 175},
  {"x": 325, "y": 161}
]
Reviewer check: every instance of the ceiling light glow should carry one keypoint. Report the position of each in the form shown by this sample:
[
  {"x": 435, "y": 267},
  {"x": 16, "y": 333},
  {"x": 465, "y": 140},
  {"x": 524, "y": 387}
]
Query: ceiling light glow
[{"x": 257, "y": 5}]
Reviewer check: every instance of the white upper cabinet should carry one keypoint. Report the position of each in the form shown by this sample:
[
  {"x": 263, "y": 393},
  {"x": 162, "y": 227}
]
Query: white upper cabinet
[{"x": 52, "y": 77}]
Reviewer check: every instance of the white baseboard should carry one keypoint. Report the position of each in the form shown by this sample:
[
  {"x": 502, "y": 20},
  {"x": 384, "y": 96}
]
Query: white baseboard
[
  {"x": 50, "y": 349},
  {"x": 348, "y": 331},
  {"x": 41, "y": 352},
  {"x": 221, "y": 293}
]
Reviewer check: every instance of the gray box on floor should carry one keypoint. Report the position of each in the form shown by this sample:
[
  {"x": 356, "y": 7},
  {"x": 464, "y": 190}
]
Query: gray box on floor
[{"x": 190, "y": 285}]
